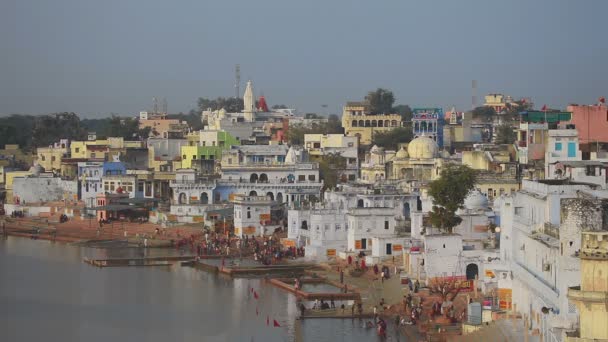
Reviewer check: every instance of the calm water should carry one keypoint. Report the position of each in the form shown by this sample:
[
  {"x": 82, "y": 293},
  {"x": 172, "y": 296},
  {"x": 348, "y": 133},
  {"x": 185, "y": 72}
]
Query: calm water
[{"x": 48, "y": 294}]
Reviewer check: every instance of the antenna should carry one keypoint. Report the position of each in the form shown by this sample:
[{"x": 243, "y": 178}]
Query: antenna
[
  {"x": 473, "y": 94},
  {"x": 155, "y": 104},
  {"x": 165, "y": 105},
  {"x": 237, "y": 81}
]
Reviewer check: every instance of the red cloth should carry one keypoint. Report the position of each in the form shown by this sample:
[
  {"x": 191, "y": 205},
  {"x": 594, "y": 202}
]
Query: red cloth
[{"x": 276, "y": 324}]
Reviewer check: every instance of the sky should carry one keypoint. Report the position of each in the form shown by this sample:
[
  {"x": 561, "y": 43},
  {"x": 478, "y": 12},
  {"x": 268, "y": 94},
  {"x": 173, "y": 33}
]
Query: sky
[{"x": 113, "y": 56}]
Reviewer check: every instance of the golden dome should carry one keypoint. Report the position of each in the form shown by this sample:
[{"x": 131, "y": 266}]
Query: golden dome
[{"x": 422, "y": 147}]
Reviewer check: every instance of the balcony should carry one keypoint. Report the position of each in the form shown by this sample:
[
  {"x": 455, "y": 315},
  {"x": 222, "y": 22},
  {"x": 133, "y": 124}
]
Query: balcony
[{"x": 576, "y": 294}]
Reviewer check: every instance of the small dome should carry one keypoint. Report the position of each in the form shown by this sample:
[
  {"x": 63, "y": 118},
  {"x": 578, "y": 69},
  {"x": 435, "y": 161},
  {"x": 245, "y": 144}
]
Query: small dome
[
  {"x": 476, "y": 200},
  {"x": 402, "y": 154},
  {"x": 422, "y": 147}
]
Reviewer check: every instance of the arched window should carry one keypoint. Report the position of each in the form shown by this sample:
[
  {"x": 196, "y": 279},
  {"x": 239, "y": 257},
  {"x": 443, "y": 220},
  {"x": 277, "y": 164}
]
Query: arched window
[
  {"x": 182, "y": 198},
  {"x": 361, "y": 123},
  {"x": 380, "y": 123},
  {"x": 279, "y": 197},
  {"x": 367, "y": 123},
  {"x": 263, "y": 178},
  {"x": 204, "y": 198},
  {"x": 394, "y": 123},
  {"x": 374, "y": 123},
  {"x": 253, "y": 193},
  {"x": 386, "y": 123},
  {"x": 253, "y": 178},
  {"x": 248, "y": 212},
  {"x": 360, "y": 203},
  {"x": 354, "y": 123},
  {"x": 270, "y": 195}
]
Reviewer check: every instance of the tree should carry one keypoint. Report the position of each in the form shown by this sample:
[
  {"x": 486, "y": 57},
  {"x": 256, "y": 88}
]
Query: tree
[
  {"x": 484, "y": 113},
  {"x": 391, "y": 139},
  {"x": 405, "y": 111},
  {"x": 449, "y": 192},
  {"x": 48, "y": 129},
  {"x": 380, "y": 101},
  {"x": 230, "y": 104},
  {"x": 17, "y": 129},
  {"x": 512, "y": 110},
  {"x": 445, "y": 286},
  {"x": 330, "y": 166},
  {"x": 505, "y": 134}
]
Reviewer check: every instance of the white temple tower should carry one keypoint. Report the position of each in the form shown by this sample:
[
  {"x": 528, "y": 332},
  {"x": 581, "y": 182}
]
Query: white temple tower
[{"x": 249, "y": 103}]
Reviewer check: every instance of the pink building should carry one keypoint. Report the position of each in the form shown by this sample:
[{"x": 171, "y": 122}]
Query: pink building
[{"x": 591, "y": 122}]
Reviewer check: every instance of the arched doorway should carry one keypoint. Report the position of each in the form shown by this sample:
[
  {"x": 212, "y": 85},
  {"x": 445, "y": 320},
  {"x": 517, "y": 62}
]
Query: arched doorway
[
  {"x": 360, "y": 203},
  {"x": 204, "y": 198},
  {"x": 279, "y": 197},
  {"x": 263, "y": 178},
  {"x": 253, "y": 178},
  {"x": 182, "y": 198},
  {"x": 472, "y": 271},
  {"x": 253, "y": 193},
  {"x": 270, "y": 195}
]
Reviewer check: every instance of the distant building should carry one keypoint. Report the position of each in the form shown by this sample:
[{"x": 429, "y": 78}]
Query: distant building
[
  {"x": 251, "y": 215},
  {"x": 50, "y": 157},
  {"x": 161, "y": 126},
  {"x": 320, "y": 145},
  {"x": 591, "y": 122},
  {"x": 358, "y": 122},
  {"x": 428, "y": 122}
]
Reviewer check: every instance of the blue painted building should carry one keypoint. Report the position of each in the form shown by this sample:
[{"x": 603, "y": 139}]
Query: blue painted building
[{"x": 428, "y": 122}]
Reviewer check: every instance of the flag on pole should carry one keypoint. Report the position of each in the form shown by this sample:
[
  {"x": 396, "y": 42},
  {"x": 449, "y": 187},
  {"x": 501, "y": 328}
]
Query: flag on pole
[
  {"x": 255, "y": 295},
  {"x": 267, "y": 320},
  {"x": 275, "y": 323},
  {"x": 544, "y": 108}
]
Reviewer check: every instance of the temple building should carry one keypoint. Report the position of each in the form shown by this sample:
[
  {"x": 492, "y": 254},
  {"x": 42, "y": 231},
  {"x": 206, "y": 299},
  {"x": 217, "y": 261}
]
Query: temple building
[{"x": 359, "y": 122}]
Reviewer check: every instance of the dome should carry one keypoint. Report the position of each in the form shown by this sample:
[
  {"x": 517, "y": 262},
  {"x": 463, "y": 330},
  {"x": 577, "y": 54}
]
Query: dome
[
  {"x": 476, "y": 200},
  {"x": 402, "y": 154},
  {"x": 422, "y": 147}
]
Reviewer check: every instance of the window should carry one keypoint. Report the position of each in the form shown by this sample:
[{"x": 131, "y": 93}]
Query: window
[
  {"x": 42, "y": 157},
  {"x": 92, "y": 154},
  {"x": 558, "y": 146},
  {"x": 194, "y": 157},
  {"x": 77, "y": 149},
  {"x": 338, "y": 227},
  {"x": 304, "y": 225},
  {"x": 311, "y": 177},
  {"x": 301, "y": 178},
  {"x": 350, "y": 144},
  {"x": 53, "y": 158},
  {"x": 105, "y": 186},
  {"x": 204, "y": 143},
  {"x": 248, "y": 212},
  {"x": 386, "y": 225},
  {"x": 316, "y": 145},
  {"x": 112, "y": 186},
  {"x": 140, "y": 186},
  {"x": 571, "y": 149}
]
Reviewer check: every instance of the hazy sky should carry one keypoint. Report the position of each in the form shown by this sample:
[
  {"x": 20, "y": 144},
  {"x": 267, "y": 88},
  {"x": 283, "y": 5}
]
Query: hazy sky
[{"x": 99, "y": 57}]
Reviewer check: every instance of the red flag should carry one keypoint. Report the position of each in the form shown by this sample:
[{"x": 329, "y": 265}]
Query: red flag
[
  {"x": 544, "y": 108},
  {"x": 276, "y": 324},
  {"x": 602, "y": 99},
  {"x": 267, "y": 320},
  {"x": 255, "y": 295}
]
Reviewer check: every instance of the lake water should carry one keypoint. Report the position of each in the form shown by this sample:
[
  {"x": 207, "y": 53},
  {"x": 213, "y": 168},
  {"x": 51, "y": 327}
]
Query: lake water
[{"x": 48, "y": 294}]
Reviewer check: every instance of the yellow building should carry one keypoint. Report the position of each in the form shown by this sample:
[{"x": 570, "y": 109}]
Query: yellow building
[
  {"x": 497, "y": 173},
  {"x": 497, "y": 101},
  {"x": 50, "y": 157},
  {"x": 357, "y": 121},
  {"x": 591, "y": 297},
  {"x": 102, "y": 148}
]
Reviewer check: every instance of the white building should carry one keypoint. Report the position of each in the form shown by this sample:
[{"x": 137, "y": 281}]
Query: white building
[
  {"x": 540, "y": 236},
  {"x": 320, "y": 145},
  {"x": 350, "y": 218},
  {"x": 251, "y": 215}
]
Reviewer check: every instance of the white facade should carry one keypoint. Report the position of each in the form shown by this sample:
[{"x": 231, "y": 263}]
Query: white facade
[
  {"x": 540, "y": 234},
  {"x": 251, "y": 215},
  {"x": 562, "y": 145}
]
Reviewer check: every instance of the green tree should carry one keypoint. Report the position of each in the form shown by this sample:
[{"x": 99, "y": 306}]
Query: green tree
[
  {"x": 405, "y": 111},
  {"x": 513, "y": 109},
  {"x": 484, "y": 113},
  {"x": 330, "y": 166},
  {"x": 230, "y": 104},
  {"x": 390, "y": 140},
  {"x": 449, "y": 192},
  {"x": 505, "y": 134},
  {"x": 17, "y": 129},
  {"x": 380, "y": 101},
  {"x": 48, "y": 129}
]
